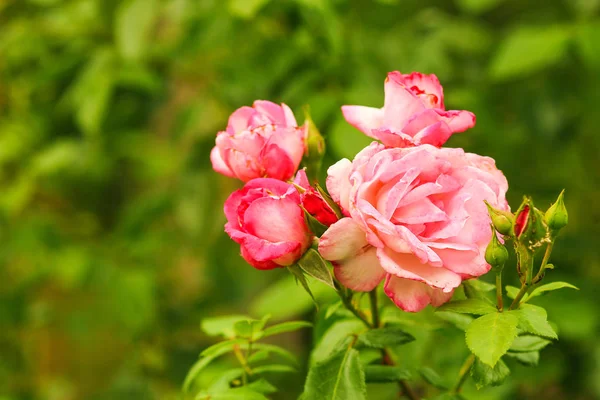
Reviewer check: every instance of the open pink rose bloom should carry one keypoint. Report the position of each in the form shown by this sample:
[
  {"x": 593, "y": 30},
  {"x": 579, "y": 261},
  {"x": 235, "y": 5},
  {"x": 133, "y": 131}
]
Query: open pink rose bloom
[
  {"x": 415, "y": 217},
  {"x": 260, "y": 141},
  {"x": 413, "y": 113}
]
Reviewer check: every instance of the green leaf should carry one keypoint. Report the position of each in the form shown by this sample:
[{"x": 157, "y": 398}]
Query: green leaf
[
  {"x": 285, "y": 327},
  {"x": 533, "y": 319},
  {"x": 461, "y": 321},
  {"x": 385, "y": 373},
  {"x": 332, "y": 204},
  {"x": 472, "y": 291},
  {"x": 223, "y": 382},
  {"x": 133, "y": 24},
  {"x": 241, "y": 393},
  {"x": 540, "y": 290},
  {"x": 339, "y": 377},
  {"x": 469, "y": 306},
  {"x": 314, "y": 225},
  {"x": 484, "y": 375},
  {"x": 528, "y": 49},
  {"x": 528, "y": 343},
  {"x": 512, "y": 291},
  {"x": 299, "y": 274},
  {"x": 246, "y": 9},
  {"x": 262, "y": 386},
  {"x": 274, "y": 368},
  {"x": 489, "y": 337},
  {"x": 335, "y": 336},
  {"x": 250, "y": 328},
  {"x": 433, "y": 378},
  {"x": 383, "y": 337},
  {"x": 258, "y": 356},
  {"x": 332, "y": 309},
  {"x": 481, "y": 285},
  {"x": 314, "y": 265},
  {"x": 202, "y": 363},
  {"x": 529, "y": 359},
  {"x": 221, "y": 346},
  {"x": 221, "y": 325},
  {"x": 271, "y": 348}
]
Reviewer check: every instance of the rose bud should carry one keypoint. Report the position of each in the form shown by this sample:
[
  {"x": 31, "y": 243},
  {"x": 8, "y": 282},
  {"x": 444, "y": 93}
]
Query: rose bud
[
  {"x": 260, "y": 141},
  {"x": 266, "y": 219},
  {"x": 502, "y": 220},
  {"x": 313, "y": 202},
  {"x": 557, "y": 217},
  {"x": 413, "y": 113},
  {"x": 496, "y": 254}
]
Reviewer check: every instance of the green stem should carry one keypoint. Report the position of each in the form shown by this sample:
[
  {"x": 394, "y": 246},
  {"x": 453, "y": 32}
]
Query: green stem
[
  {"x": 348, "y": 304},
  {"x": 499, "y": 301},
  {"x": 545, "y": 260},
  {"x": 519, "y": 296},
  {"x": 374, "y": 308},
  {"x": 243, "y": 362},
  {"x": 463, "y": 373}
]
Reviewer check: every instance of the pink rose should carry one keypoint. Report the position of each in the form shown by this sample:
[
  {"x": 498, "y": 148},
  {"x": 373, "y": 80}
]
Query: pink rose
[
  {"x": 416, "y": 218},
  {"x": 413, "y": 113},
  {"x": 265, "y": 218},
  {"x": 260, "y": 141},
  {"x": 313, "y": 202}
]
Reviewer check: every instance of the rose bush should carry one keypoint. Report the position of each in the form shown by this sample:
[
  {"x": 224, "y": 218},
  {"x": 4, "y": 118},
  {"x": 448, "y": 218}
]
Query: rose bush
[
  {"x": 265, "y": 218},
  {"x": 414, "y": 216},
  {"x": 413, "y": 113},
  {"x": 260, "y": 141}
]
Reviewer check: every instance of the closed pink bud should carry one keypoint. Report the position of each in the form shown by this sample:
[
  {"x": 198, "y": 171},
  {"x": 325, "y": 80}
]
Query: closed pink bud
[
  {"x": 413, "y": 113},
  {"x": 313, "y": 202},
  {"x": 266, "y": 219},
  {"x": 260, "y": 141}
]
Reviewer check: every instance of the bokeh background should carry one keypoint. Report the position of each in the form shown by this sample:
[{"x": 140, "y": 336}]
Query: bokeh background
[{"x": 111, "y": 241}]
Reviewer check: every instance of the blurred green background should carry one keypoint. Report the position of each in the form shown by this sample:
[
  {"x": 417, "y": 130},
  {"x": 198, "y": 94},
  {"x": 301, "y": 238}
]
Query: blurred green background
[{"x": 111, "y": 241}]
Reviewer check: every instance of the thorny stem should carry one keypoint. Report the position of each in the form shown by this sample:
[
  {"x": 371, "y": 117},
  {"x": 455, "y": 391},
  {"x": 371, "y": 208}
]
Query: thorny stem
[
  {"x": 463, "y": 373},
  {"x": 387, "y": 357},
  {"x": 348, "y": 304},
  {"x": 500, "y": 303},
  {"x": 243, "y": 362},
  {"x": 539, "y": 276},
  {"x": 374, "y": 308}
]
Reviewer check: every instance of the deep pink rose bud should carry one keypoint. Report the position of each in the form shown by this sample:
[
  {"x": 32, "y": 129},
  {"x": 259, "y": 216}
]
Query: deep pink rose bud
[
  {"x": 313, "y": 202},
  {"x": 521, "y": 220},
  {"x": 266, "y": 219},
  {"x": 260, "y": 141},
  {"x": 413, "y": 113}
]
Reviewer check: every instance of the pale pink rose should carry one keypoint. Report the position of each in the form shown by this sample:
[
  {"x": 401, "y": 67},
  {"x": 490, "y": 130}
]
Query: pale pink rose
[
  {"x": 265, "y": 218},
  {"x": 413, "y": 113},
  {"x": 260, "y": 141},
  {"x": 416, "y": 217}
]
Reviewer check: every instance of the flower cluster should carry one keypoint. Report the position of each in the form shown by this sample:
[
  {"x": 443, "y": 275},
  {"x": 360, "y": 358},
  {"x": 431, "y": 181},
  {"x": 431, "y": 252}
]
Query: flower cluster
[{"x": 409, "y": 213}]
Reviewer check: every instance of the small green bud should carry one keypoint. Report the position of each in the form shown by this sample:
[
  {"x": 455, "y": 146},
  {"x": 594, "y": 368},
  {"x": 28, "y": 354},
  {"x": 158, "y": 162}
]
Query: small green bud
[
  {"x": 557, "y": 217},
  {"x": 496, "y": 254},
  {"x": 315, "y": 147},
  {"x": 503, "y": 221}
]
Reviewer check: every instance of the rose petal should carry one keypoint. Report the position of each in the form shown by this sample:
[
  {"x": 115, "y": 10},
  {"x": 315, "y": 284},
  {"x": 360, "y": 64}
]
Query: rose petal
[
  {"x": 361, "y": 272},
  {"x": 276, "y": 220},
  {"x": 413, "y": 296},
  {"x": 338, "y": 183},
  {"x": 344, "y": 239},
  {"x": 218, "y": 164},
  {"x": 363, "y": 118}
]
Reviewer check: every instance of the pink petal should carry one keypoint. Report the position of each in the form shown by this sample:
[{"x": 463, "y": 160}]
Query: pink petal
[
  {"x": 344, "y": 239},
  {"x": 243, "y": 166},
  {"x": 262, "y": 265},
  {"x": 412, "y": 295},
  {"x": 363, "y": 118},
  {"x": 277, "y": 163},
  {"x": 400, "y": 103},
  {"x": 419, "y": 212},
  {"x": 239, "y": 120},
  {"x": 291, "y": 141},
  {"x": 275, "y": 114},
  {"x": 282, "y": 253},
  {"x": 458, "y": 121},
  {"x": 408, "y": 266},
  {"x": 435, "y": 135},
  {"x": 429, "y": 84},
  {"x": 276, "y": 220},
  {"x": 466, "y": 263},
  {"x": 393, "y": 138},
  {"x": 361, "y": 272},
  {"x": 338, "y": 183},
  {"x": 218, "y": 164}
]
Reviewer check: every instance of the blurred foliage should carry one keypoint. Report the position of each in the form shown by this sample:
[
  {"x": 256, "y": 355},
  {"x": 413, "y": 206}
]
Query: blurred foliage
[{"x": 110, "y": 215}]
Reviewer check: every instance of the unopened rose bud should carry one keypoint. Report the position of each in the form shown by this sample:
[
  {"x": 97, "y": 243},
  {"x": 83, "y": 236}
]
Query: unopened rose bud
[
  {"x": 315, "y": 147},
  {"x": 496, "y": 254},
  {"x": 557, "y": 217},
  {"x": 503, "y": 221},
  {"x": 522, "y": 219}
]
